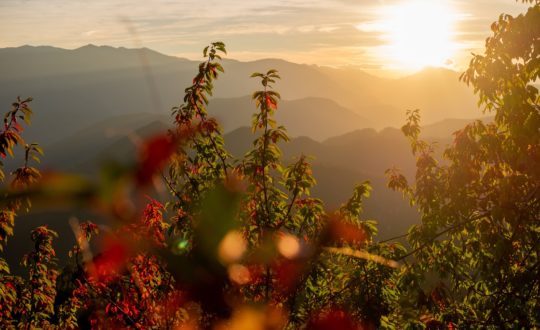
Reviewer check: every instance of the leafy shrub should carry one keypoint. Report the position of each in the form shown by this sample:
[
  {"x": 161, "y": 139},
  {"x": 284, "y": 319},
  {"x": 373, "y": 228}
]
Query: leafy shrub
[{"x": 240, "y": 243}]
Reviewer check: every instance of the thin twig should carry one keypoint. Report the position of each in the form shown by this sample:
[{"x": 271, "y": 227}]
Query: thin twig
[{"x": 425, "y": 244}]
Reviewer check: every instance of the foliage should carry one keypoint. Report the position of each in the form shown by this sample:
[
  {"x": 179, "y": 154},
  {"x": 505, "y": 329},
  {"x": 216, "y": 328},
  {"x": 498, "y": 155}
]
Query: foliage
[
  {"x": 244, "y": 236},
  {"x": 475, "y": 257},
  {"x": 241, "y": 243}
]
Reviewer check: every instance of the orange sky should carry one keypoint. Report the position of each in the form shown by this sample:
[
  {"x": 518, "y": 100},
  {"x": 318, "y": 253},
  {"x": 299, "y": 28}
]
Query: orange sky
[{"x": 384, "y": 37}]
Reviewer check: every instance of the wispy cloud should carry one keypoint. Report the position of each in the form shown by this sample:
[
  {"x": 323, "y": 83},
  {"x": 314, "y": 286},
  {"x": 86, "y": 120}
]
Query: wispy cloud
[{"x": 328, "y": 32}]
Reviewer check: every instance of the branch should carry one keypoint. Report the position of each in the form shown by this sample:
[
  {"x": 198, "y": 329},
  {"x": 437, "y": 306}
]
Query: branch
[
  {"x": 295, "y": 195},
  {"x": 203, "y": 119},
  {"x": 169, "y": 184},
  {"x": 394, "y": 238},
  {"x": 425, "y": 244},
  {"x": 213, "y": 142}
]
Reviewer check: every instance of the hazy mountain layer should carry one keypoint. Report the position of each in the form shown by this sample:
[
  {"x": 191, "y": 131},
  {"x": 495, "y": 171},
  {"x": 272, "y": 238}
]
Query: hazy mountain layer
[
  {"x": 73, "y": 88},
  {"x": 338, "y": 164},
  {"x": 94, "y": 103}
]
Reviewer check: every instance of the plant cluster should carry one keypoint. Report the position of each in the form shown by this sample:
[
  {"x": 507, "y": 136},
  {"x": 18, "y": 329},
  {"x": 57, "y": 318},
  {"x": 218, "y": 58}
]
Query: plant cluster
[{"x": 241, "y": 243}]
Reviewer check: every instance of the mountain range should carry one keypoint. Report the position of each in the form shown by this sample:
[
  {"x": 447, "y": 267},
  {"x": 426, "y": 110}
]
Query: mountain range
[
  {"x": 75, "y": 88},
  {"x": 93, "y": 103}
]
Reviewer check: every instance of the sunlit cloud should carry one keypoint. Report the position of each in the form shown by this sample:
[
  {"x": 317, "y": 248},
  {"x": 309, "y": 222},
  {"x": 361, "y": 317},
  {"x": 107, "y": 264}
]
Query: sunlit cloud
[
  {"x": 306, "y": 28},
  {"x": 328, "y": 29},
  {"x": 90, "y": 33}
]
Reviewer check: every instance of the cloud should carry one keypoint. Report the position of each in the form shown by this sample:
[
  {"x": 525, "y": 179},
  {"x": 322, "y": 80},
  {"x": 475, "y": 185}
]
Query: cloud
[
  {"x": 328, "y": 28},
  {"x": 371, "y": 26},
  {"x": 90, "y": 33},
  {"x": 316, "y": 31}
]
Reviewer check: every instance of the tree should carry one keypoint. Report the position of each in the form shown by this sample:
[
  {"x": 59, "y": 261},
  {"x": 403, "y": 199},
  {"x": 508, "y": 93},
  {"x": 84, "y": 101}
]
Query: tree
[
  {"x": 24, "y": 304},
  {"x": 270, "y": 244},
  {"x": 475, "y": 257}
]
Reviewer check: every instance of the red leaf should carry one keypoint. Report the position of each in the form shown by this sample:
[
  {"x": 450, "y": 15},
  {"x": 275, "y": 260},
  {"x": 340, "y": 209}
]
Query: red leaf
[
  {"x": 270, "y": 103},
  {"x": 153, "y": 156},
  {"x": 334, "y": 319},
  {"x": 288, "y": 274},
  {"x": 17, "y": 127},
  {"x": 348, "y": 232},
  {"x": 113, "y": 258}
]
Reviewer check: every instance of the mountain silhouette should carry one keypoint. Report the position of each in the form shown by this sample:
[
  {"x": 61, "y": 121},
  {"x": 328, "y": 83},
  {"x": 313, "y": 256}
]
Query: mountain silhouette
[
  {"x": 93, "y": 103},
  {"x": 74, "y": 88}
]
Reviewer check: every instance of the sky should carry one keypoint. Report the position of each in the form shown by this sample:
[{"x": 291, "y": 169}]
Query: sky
[{"x": 384, "y": 37}]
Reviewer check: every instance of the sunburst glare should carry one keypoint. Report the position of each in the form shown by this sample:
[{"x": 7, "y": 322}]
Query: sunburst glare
[{"x": 416, "y": 34}]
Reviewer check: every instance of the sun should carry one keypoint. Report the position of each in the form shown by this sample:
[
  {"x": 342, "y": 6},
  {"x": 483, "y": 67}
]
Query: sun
[{"x": 417, "y": 34}]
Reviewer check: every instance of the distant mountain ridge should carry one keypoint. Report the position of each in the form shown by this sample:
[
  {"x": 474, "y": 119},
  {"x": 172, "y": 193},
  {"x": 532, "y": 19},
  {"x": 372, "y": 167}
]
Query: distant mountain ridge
[
  {"x": 316, "y": 117},
  {"x": 89, "y": 101},
  {"x": 54, "y": 61},
  {"x": 73, "y": 88},
  {"x": 94, "y": 102},
  {"x": 88, "y": 143},
  {"x": 339, "y": 162}
]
